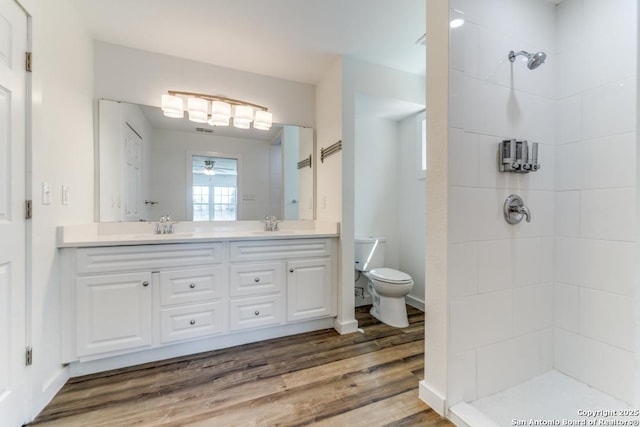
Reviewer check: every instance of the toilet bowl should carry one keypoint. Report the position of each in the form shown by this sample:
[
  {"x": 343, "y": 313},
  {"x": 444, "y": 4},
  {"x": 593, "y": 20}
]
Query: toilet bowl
[{"x": 387, "y": 287}]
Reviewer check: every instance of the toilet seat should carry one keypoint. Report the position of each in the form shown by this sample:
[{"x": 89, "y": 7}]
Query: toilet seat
[{"x": 389, "y": 275}]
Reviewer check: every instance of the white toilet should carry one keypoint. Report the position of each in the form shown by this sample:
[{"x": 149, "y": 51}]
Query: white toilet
[{"x": 387, "y": 286}]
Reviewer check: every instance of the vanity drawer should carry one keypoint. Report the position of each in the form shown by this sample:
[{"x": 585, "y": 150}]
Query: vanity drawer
[
  {"x": 189, "y": 286},
  {"x": 255, "y": 312},
  {"x": 180, "y": 323},
  {"x": 255, "y": 279},
  {"x": 147, "y": 257},
  {"x": 256, "y": 250}
]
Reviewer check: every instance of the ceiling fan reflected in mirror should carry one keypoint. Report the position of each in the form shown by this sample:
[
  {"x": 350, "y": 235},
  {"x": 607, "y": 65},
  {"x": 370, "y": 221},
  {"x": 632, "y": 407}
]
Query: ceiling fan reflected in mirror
[{"x": 211, "y": 169}]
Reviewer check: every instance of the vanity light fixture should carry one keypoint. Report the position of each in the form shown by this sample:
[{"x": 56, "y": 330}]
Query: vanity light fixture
[{"x": 199, "y": 105}]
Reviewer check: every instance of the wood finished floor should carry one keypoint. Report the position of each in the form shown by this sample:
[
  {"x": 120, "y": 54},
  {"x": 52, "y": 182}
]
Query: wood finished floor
[{"x": 319, "y": 378}]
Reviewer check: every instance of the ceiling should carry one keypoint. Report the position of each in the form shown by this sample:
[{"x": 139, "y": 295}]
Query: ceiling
[{"x": 295, "y": 40}]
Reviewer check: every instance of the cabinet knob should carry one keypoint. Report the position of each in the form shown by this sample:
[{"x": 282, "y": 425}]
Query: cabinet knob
[
  {"x": 192, "y": 285},
  {"x": 291, "y": 270},
  {"x": 257, "y": 279},
  {"x": 192, "y": 322},
  {"x": 145, "y": 283},
  {"x": 257, "y": 313}
]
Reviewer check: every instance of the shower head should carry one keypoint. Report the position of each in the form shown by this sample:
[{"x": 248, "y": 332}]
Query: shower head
[{"x": 534, "y": 59}]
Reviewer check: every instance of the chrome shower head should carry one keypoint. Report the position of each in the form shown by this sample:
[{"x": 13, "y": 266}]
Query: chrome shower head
[{"x": 534, "y": 59}]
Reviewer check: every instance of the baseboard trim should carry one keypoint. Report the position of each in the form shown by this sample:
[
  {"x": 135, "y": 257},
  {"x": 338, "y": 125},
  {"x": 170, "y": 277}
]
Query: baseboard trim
[
  {"x": 48, "y": 391},
  {"x": 435, "y": 400},
  {"x": 344, "y": 328},
  {"x": 415, "y": 302}
]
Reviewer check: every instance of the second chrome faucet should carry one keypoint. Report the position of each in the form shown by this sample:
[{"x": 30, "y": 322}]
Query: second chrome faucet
[{"x": 271, "y": 223}]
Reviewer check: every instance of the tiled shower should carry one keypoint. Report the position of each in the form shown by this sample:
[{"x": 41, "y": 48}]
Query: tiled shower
[{"x": 556, "y": 294}]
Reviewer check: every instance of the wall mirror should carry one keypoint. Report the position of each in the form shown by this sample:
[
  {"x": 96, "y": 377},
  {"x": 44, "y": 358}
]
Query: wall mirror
[{"x": 149, "y": 165}]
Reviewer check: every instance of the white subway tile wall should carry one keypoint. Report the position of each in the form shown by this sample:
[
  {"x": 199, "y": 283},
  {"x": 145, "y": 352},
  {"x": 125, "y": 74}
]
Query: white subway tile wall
[{"x": 555, "y": 293}]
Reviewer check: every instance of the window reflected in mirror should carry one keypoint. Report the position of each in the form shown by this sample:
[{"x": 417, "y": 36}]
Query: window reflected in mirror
[{"x": 215, "y": 188}]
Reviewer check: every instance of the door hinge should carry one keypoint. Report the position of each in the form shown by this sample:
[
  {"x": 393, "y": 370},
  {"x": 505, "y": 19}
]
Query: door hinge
[
  {"x": 29, "y": 356},
  {"x": 27, "y": 62},
  {"x": 29, "y": 209}
]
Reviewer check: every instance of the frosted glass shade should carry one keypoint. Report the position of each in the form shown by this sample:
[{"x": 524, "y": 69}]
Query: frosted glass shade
[
  {"x": 263, "y": 120},
  {"x": 241, "y": 124},
  {"x": 198, "y": 109},
  {"x": 172, "y": 106},
  {"x": 243, "y": 113},
  {"x": 220, "y": 113}
]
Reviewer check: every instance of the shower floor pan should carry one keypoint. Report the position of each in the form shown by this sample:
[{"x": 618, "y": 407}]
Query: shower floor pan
[{"x": 548, "y": 399}]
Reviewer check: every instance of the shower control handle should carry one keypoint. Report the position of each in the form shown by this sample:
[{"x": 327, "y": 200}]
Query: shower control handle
[{"x": 515, "y": 209}]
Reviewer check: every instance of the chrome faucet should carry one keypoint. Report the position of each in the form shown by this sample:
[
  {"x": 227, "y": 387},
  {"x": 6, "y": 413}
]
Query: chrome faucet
[
  {"x": 271, "y": 223},
  {"x": 514, "y": 209},
  {"x": 165, "y": 225}
]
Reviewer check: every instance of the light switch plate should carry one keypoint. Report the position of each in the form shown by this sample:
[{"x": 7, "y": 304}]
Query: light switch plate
[
  {"x": 46, "y": 193},
  {"x": 65, "y": 195}
]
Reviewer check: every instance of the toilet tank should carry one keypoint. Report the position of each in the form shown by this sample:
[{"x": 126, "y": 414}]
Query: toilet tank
[{"x": 369, "y": 253}]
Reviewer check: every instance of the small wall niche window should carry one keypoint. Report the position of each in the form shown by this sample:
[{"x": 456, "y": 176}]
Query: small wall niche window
[
  {"x": 214, "y": 188},
  {"x": 421, "y": 121}
]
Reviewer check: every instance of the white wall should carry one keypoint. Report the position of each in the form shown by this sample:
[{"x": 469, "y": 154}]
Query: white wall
[
  {"x": 500, "y": 276},
  {"x": 169, "y": 172},
  {"x": 306, "y": 206},
  {"x": 411, "y": 207},
  {"x": 376, "y": 187},
  {"x": 141, "y": 77},
  {"x": 596, "y": 265},
  {"x": 330, "y": 191},
  {"x": 62, "y": 155}
]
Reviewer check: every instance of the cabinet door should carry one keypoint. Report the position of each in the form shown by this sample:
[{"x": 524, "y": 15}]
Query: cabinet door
[
  {"x": 113, "y": 313},
  {"x": 309, "y": 290}
]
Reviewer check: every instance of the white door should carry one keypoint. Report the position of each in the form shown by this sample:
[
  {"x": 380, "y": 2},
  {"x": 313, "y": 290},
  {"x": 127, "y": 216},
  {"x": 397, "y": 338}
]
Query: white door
[{"x": 13, "y": 374}]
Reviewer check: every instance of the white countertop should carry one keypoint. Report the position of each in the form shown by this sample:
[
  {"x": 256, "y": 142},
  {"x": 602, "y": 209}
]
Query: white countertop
[{"x": 142, "y": 233}]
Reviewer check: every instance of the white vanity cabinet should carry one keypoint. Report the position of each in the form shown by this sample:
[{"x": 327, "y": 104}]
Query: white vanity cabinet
[
  {"x": 266, "y": 273},
  {"x": 126, "y": 298},
  {"x": 119, "y": 300}
]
